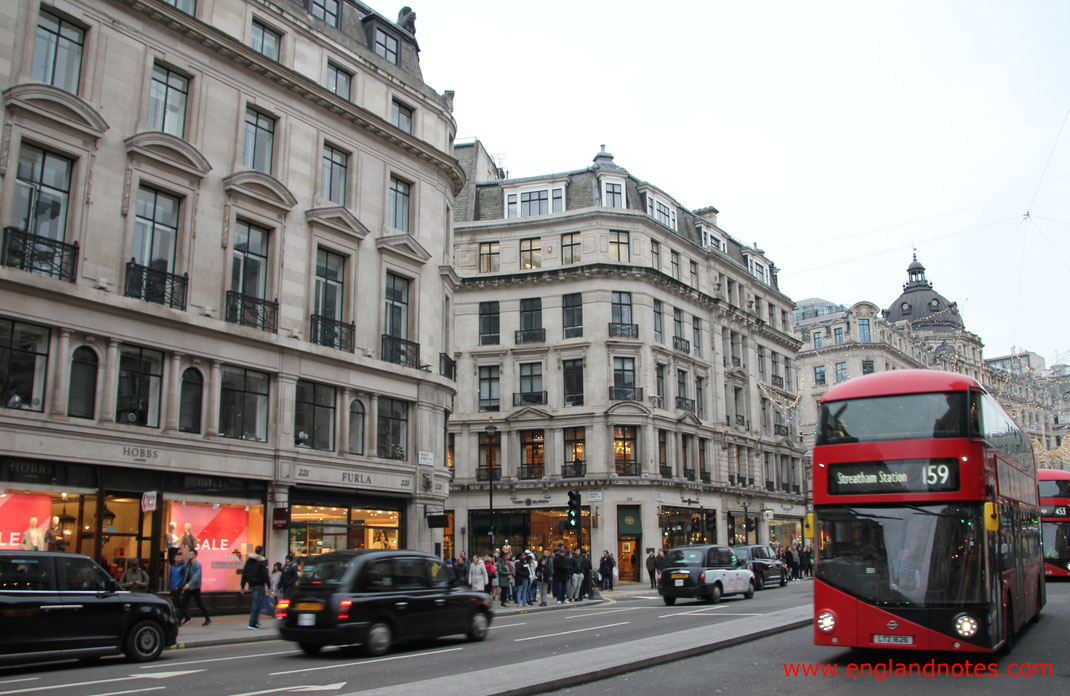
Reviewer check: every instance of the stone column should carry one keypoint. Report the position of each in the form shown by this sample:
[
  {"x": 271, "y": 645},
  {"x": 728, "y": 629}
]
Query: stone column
[
  {"x": 60, "y": 392},
  {"x": 174, "y": 391},
  {"x": 215, "y": 383},
  {"x": 111, "y": 382},
  {"x": 371, "y": 427},
  {"x": 342, "y": 445}
]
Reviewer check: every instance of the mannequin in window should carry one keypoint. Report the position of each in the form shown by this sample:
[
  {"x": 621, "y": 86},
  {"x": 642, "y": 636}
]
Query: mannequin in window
[
  {"x": 33, "y": 539},
  {"x": 171, "y": 542},
  {"x": 189, "y": 542},
  {"x": 54, "y": 540}
]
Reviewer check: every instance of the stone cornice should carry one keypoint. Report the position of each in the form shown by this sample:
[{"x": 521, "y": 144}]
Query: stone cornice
[{"x": 229, "y": 48}]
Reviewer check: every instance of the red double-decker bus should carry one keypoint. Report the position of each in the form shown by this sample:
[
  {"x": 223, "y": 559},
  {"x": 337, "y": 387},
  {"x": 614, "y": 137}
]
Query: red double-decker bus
[
  {"x": 927, "y": 516},
  {"x": 1055, "y": 521}
]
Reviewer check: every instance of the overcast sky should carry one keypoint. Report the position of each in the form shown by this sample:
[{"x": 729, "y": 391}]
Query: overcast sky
[{"x": 836, "y": 135}]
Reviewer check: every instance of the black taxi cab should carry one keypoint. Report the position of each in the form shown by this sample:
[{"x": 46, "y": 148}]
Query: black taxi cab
[
  {"x": 377, "y": 598},
  {"x": 60, "y": 605},
  {"x": 706, "y": 572}
]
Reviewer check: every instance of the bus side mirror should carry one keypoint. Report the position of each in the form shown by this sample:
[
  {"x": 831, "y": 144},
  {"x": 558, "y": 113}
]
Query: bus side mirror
[
  {"x": 808, "y": 526},
  {"x": 991, "y": 517}
]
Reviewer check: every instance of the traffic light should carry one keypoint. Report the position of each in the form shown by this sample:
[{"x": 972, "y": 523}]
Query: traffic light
[
  {"x": 574, "y": 508},
  {"x": 696, "y": 525}
]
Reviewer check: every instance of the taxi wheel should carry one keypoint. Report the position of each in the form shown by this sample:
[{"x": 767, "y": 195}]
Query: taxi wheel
[
  {"x": 759, "y": 583},
  {"x": 715, "y": 593},
  {"x": 750, "y": 590},
  {"x": 144, "y": 642},
  {"x": 783, "y": 579},
  {"x": 379, "y": 638},
  {"x": 310, "y": 648},
  {"x": 477, "y": 626},
  {"x": 669, "y": 601}
]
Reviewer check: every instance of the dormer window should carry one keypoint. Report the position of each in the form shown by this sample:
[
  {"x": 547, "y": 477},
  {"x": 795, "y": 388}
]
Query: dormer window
[
  {"x": 758, "y": 269},
  {"x": 613, "y": 192},
  {"x": 711, "y": 240},
  {"x": 906, "y": 308},
  {"x": 660, "y": 208},
  {"x": 531, "y": 201},
  {"x": 386, "y": 46}
]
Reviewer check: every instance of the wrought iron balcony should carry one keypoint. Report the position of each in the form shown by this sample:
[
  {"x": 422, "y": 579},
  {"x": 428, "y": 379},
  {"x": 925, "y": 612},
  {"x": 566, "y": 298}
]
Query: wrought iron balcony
[
  {"x": 736, "y": 362},
  {"x": 780, "y": 430},
  {"x": 483, "y": 473},
  {"x": 741, "y": 420},
  {"x": 786, "y": 487},
  {"x": 770, "y": 486},
  {"x": 573, "y": 400},
  {"x": 731, "y": 479},
  {"x": 531, "y": 471},
  {"x": 681, "y": 344},
  {"x": 40, "y": 255},
  {"x": 574, "y": 469},
  {"x": 794, "y": 488},
  {"x": 778, "y": 381},
  {"x": 159, "y": 287},
  {"x": 689, "y": 474},
  {"x": 252, "y": 311},
  {"x": 625, "y": 393},
  {"x": 666, "y": 471},
  {"x": 728, "y": 420},
  {"x": 400, "y": 351},
  {"x": 617, "y": 330},
  {"x": 447, "y": 366},
  {"x": 685, "y": 404},
  {"x": 332, "y": 333},
  {"x": 627, "y": 467},
  {"x": 704, "y": 476},
  {"x": 530, "y": 336},
  {"x": 750, "y": 481},
  {"x": 529, "y": 398}
]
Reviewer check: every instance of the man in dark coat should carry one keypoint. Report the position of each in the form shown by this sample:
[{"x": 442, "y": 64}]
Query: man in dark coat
[
  {"x": 562, "y": 574},
  {"x": 256, "y": 577}
]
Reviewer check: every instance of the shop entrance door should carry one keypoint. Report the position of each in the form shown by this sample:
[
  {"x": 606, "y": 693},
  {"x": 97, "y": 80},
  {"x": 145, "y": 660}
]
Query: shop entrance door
[
  {"x": 126, "y": 532},
  {"x": 628, "y": 561}
]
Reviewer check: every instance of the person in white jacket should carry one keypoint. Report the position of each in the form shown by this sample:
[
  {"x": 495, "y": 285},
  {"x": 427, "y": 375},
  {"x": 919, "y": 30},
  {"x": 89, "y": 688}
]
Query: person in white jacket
[{"x": 477, "y": 574}]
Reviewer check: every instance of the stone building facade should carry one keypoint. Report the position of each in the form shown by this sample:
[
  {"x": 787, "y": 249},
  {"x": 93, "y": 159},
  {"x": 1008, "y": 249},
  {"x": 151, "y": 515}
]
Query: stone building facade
[
  {"x": 613, "y": 342},
  {"x": 225, "y": 280}
]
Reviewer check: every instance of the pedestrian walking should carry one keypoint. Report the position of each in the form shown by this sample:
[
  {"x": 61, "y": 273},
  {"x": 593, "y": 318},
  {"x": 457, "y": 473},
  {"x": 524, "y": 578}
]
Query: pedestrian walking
[
  {"x": 652, "y": 569},
  {"x": 255, "y": 576},
  {"x": 191, "y": 588},
  {"x": 177, "y": 579},
  {"x": 288, "y": 579},
  {"x": 605, "y": 570},
  {"x": 477, "y": 574},
  {"x": 562, "y": 573}
]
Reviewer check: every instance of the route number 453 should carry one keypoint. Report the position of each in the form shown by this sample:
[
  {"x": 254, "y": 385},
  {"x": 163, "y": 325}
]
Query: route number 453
[{"x": 936, "y": 473}]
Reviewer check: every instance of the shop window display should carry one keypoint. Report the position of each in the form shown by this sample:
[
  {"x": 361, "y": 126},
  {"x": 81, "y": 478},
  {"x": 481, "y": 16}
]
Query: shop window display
[
  {"x": 224, "y": 534},
  {"x": 316, "y": 529},
  {"x": 38, "y": 520}
]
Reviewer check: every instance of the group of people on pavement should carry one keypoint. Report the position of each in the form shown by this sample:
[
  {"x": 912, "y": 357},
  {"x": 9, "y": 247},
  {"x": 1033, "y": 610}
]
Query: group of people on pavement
[
  {"x": 562, "y": 575},
  {"x": 798, "y": 558}
]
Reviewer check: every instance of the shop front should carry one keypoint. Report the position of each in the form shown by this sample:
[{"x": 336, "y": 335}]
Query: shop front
[
  {"x": 324, "y": 519},
  {"x": 743, "y": 527},
  {"x": 682, "y": 526},
  {"x": 115, "y": 514},
  {"x": 534, "y": 530},
  {"x": 784, "y": 531}
]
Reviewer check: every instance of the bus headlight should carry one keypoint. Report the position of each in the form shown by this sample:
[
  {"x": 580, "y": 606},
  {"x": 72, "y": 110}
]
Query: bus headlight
[
  {"x": 826, "y": 622},
  {"x": 965, "y": 625}
]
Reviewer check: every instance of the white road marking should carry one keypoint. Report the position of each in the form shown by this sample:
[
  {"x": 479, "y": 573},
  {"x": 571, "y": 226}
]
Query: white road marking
[
  {"x": 131, "y": 691},
  {"x": 24, "y": 679},
  {"x": 584, "y": 613},
  {"x": 702, "y": 612},
  {"x": 363, "y": 662},
  {"x": 309, "y": 687},
  {"x": 523, "y": 623},
  {"x": 563, "y": 633},
  {"x": 158, "y": 675},
  {"x": 221, "y": 659},
  {"x": 642, "y": 597}
]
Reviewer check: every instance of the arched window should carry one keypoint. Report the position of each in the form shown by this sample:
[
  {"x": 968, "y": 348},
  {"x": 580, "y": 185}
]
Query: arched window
[
  {"x": 82, "y": 398},
  {"x": 356, "y": 428},
  {"x": 189, "y": 409}
]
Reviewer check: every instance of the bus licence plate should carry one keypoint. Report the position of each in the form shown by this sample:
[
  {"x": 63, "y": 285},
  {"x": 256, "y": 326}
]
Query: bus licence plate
[
  {"x": 306, "y": 619},
  {"x": 893, "y": 640}
]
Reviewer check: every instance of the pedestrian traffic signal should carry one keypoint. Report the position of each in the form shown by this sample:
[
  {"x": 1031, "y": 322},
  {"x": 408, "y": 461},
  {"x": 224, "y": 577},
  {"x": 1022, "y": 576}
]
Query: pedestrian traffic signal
[{"x": 574, "y": 509}]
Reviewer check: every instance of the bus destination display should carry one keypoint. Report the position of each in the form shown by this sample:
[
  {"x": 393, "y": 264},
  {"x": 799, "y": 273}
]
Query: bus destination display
[{"x": 899, "y": 476}]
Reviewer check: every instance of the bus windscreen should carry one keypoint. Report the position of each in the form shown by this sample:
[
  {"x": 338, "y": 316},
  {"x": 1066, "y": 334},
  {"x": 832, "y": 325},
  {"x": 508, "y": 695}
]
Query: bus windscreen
[{"x": 899, "y": 417}]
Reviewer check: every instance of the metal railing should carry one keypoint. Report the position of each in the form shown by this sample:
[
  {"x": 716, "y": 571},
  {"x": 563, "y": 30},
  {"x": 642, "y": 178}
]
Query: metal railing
[
  {"x": 778, "y": 381},
  {"x": 617, "y": 330},
  {"x": 786, "y": 487},
  {"x": 530, "y": 336},
  {"x": 573, "y": 400},
  {"x": 483, "y": 473},
  {"x": 750, "y": 481},
  {"x": 574, "y": 469},
  {"x": 704, "y": 476},
  {"x": 685, "y": 404},
  {"x": 447, "y": 366},
  {"x": 681, "y": 344},
  {"x": 529, "y": 398},
  {"x": 627, "y": 467},
  {"x": 531, "y": 471},
  {"x": 794, "y": 488},
  {"x": 252, "y": 311},
  {"x": 400, "y": 351},
  {"x": 158, "y": 287},
  {"x": 770, "y": 486},
  {"x": 332, "y": 333},
  {"x": 665, "y": 471},
  {"x": 39, "y": 255},
  {"x": 689, "y": 474},
  {"x": 625, "y": 393},
  {"x": 731, "y": 479}
]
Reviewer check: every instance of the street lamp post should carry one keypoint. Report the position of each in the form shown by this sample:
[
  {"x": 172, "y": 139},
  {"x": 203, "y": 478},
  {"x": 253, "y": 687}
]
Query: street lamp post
[{"x": 491, "y": 431}]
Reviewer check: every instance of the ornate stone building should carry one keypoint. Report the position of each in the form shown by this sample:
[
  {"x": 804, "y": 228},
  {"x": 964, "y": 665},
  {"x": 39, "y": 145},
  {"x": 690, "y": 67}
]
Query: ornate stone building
[
  {"x": 225, "y": 279},
  {"x": 614, "y": 342}
]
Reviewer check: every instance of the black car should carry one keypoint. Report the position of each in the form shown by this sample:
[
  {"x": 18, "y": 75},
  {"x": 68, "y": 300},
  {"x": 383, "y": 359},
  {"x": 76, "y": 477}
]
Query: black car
[
  {"x": 377, "y": 597},
  {"x": 766, "y": 565},
  {"x": 65, "y": 605},
  {"x": 703, "y": 572}
]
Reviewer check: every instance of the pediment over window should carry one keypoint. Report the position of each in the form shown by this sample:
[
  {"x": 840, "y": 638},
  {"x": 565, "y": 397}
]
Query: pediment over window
[
  {"x": 337, "y": 218},
  {"x": 56, "y": 106},
  {"x": 628, "y": 408},
  {"x": 404, "y": 246},
  {"x": 170, "y": 151},
  {"x": 528, "y": 413},
  {"x": 261, "y": 188},
  {"x": 688, "y": 419}
]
